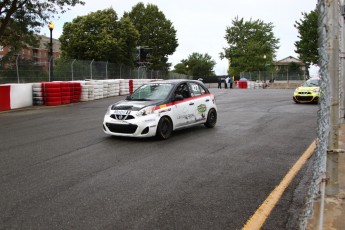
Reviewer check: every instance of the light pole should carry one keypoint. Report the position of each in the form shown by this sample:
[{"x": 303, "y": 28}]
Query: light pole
[
  {"x": 51, "y": 64},
  {"x": 265, "y": 69}
]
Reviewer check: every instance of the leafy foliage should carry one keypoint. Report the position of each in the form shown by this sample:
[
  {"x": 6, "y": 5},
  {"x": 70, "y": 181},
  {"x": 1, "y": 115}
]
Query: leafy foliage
[
  {"x": 100, "y": 36},
  {"x": 156, "y": 32},
  {"x": 197, "y": 65},
  {"x": 21, "y": 20},
  {"x": 307, "y": 45},
  {"x": 252, "y": 46}
]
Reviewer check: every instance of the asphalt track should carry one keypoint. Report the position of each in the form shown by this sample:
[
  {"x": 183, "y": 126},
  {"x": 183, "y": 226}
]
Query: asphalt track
[{"x": 60, "y": 171}]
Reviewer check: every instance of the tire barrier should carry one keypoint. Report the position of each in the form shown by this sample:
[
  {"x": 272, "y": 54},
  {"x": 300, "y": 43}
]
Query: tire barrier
[
  {"x": 52, "y": 95},
  {"x": 114, "y": 88},
  {"x": 66, "y": 93},
  {"x": 60, "y": 93},
  {"x": 37, "y": 95},
  {"x": 124, "y": 87},
  {"x": 76, "y": 92}
]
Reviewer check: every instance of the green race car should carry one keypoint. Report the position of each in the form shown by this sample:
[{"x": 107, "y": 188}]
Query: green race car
[{"x": 309, "y": 92}]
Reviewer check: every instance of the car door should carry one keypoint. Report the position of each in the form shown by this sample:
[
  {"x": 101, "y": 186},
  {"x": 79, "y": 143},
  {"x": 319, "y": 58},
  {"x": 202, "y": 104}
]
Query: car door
[
  {"x": 202, "y": 101},
  {"x": 184, "y": 109}
]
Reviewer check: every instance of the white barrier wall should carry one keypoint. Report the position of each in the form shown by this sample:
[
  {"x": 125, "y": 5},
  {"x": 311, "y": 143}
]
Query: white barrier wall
[{"x": 21, "y": 95}]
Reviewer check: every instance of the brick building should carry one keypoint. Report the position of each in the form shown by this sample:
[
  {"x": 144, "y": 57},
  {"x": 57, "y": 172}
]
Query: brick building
[{"x": 38, "y": 55}]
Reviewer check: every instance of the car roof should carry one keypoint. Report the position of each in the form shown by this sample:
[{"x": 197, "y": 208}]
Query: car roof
[{"x": 176, "y": 81}]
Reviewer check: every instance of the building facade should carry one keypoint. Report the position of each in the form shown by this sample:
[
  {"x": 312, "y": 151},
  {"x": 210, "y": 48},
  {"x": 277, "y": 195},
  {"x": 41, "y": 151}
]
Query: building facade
[
  {"x": 284, "y": 64},
  {"x": 38, "y": 55}
]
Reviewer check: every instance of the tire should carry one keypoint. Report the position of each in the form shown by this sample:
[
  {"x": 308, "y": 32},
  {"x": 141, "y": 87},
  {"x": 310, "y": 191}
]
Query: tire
[
  {"x": 211, "y": 118},
  {"x": 164, "y": 128}
]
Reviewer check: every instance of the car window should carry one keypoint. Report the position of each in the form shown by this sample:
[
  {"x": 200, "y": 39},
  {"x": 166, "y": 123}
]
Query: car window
[
  {"x": 196, "y": 91},
  {"x": 152, "y": 92},
  {"x": 183, "y": 90},
  {"x": 312, "y": 83}
]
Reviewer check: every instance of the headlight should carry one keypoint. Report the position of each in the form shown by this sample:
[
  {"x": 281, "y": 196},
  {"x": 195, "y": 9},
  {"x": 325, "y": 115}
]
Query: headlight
[
  {"x": 108, "y": 111},
  {"x": 296, "y": 90},
  {"x": 145, "y": 111}
]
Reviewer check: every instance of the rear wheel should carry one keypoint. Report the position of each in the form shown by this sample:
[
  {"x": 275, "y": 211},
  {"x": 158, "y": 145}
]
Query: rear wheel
[
  {"x": 211, "y": 118},
  {"x": 164, "y": 128}
]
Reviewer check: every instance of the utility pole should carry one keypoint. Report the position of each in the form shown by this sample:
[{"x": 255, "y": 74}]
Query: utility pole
[{"x": 332, "y": 186}]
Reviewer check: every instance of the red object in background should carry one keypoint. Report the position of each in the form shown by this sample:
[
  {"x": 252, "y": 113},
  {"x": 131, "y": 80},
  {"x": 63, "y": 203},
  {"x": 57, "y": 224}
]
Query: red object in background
[
  {"x": 130, "y": 86},
  {"x": 5, "y": 98},
  {"x": 66, "y": 92},
  {"x": 51, "y": 93},
  {"x": 242, "y": 84},
  {"x": 76, "y": 92}
]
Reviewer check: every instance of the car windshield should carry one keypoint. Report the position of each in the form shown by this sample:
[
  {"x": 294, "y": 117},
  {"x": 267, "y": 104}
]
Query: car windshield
[
  {"x": 151, "y": 92},
  {"x": 312, "y": 83}
]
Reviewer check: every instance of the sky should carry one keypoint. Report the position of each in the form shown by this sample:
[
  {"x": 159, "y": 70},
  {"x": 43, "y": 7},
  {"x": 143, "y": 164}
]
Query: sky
[{"x": 201, "y": 24}]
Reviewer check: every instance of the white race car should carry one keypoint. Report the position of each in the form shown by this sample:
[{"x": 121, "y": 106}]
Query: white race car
[{"x": 159, "y": 107}]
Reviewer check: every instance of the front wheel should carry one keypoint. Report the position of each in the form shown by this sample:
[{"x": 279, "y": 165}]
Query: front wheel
[
  {"x": 211, "y": 118},
  {"x": 164, "y": 128}
]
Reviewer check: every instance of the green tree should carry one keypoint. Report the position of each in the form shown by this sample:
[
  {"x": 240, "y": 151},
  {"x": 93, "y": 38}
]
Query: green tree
[
  {"x": 21, "y": 20},
  {"x": 252, "y": 46},
  {"x": 156, "y": 32},
  {"x": 181, "y": 68},
  {"x": 197, "y": 65},
  {"x": 307, "y": 45},
  {"x": 100, "y": 36}
]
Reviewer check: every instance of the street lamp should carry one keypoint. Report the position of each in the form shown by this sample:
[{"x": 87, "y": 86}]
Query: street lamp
[
  {"x": 265, "y": 69},
  {"x": 51, "y": 64}
]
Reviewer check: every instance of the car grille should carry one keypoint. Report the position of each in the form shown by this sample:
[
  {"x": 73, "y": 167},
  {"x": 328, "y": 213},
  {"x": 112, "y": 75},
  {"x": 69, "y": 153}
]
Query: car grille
[
  {"x": 120, "y": 128},
  {"x": 304, "y": 98},
  {"x": 304, "y": 93},
  {"x": 121, "y": 117}
]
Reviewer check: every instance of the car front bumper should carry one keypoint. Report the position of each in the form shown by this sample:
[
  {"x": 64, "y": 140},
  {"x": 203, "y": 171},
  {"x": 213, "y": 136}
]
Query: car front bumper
[
  {"x": 306, "y": 97},
  {"x": 144, "y": 126}
]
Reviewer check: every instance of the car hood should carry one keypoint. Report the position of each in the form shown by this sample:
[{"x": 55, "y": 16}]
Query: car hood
[
  {"x": 133, "y": 105},
  {"x": 307, "y": 88}
]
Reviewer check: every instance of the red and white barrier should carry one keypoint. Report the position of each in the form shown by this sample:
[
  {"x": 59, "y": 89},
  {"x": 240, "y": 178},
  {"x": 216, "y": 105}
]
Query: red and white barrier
[
  {"x": 14, "y": 96},
  {"x": 5, "y": 98}
]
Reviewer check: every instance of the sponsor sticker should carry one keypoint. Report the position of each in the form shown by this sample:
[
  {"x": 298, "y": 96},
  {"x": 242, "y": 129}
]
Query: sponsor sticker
[{"x": 201, "y": 108}]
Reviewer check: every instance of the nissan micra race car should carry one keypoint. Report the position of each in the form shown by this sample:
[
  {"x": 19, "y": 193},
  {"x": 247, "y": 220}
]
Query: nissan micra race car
[
  {"x": 309, "y": 92},
  {"x": 159, "y": 107}
]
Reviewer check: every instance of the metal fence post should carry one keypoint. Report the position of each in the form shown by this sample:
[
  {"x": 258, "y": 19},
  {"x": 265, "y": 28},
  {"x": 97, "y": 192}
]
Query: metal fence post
[
  {"x": 91, "y": 68},
  {"x": 17, "y": 56},
  {"x": 106, "y": 70},
  {"x": 72, "y": 69},
  {"x": 50, "y": 67}
]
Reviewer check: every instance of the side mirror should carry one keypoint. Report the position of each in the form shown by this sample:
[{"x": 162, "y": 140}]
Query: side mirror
[
  {"x": 128, "y": 97},
  {"x": 178, "y": 97}
]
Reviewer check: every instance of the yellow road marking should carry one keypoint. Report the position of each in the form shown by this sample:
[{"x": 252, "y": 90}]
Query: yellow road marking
[{"x": 259, "y": 217}]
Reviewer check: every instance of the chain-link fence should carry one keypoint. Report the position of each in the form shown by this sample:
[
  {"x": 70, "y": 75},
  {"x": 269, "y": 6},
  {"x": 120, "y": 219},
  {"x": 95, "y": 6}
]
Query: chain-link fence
[
  {"x": 18, "y": 70},
  {"x": 273, "y": 76},
  {"x": 331, "y": 104}
]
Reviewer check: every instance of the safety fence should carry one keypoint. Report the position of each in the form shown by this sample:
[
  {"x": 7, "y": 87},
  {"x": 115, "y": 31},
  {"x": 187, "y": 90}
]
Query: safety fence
[
  {"x": 331, "y": 109},
  {"x": 18, "y": 70},
  {"x": 270, "y": 76}
]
